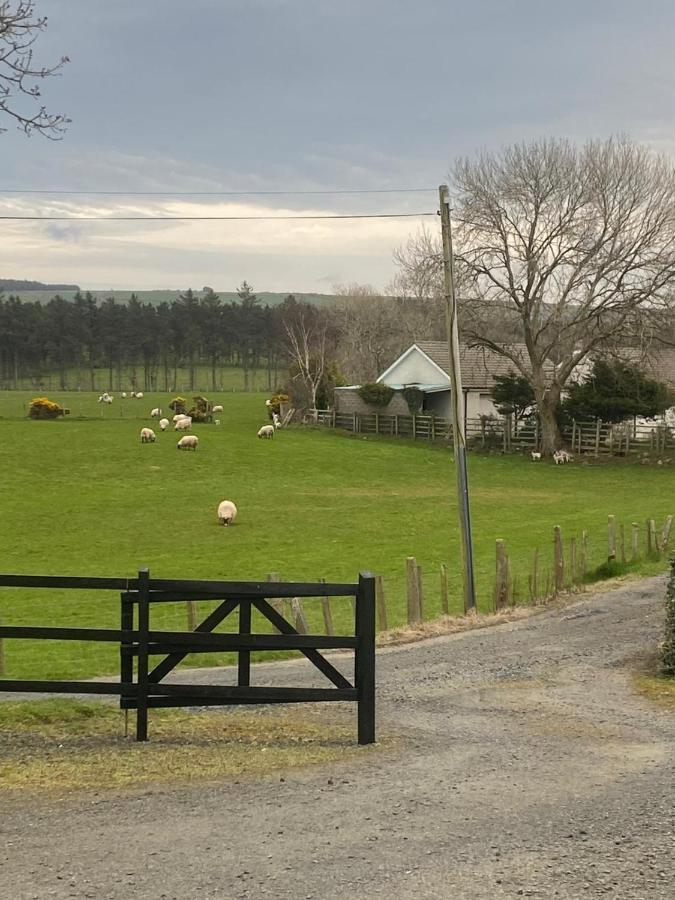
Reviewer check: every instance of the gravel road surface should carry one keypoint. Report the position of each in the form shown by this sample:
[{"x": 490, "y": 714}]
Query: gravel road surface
[{"x": 521, "y": 763}]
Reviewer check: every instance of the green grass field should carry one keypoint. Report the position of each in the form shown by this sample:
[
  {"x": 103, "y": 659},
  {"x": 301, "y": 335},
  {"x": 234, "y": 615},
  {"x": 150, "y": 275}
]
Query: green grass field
[{"x": 84, "y": 496}]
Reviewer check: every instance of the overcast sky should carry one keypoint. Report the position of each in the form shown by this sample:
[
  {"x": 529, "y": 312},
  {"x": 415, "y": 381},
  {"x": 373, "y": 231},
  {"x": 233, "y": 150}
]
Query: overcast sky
[{"x": 182, "y": 95}]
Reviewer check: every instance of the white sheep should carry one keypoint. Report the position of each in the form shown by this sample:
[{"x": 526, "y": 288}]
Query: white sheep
[
  {"x": 536, "y": 456},
  {"x": 188, "y": 442},
  {"x": 183, "y": 424},
  {"x": 147, "y": 436},
  {"x": 105, "y": 398},
  {"x": 267, "y": 431},
  {"x": 217, "y": 409},
  {"x": 227, "y": 512},
  {"x": 561, "y": 456},
  {"x": 276, "y": 421},
  {"x": 155, "y": 413},
  {"x": 139, "y": 395},
  {"x": 164, "y": 424},
  {"x": 124, "y": 395}
]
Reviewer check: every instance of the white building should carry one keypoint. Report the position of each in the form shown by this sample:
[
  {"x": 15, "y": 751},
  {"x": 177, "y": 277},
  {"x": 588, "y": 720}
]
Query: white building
[{"x": 425, "y": 365}]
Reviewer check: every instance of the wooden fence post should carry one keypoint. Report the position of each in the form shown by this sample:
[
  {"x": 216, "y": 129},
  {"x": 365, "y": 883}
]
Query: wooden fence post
[
  {"x": 191, "y": 609},
  {"x": 412, "y": 583},
  {"x": 380, "y": 603},
  {"x": 598, "y": 426},
  {"x": 665, "y": 533},
  {"x": 2, "y": 655},
  {"x": 611, "y": 539},
  {"x": 622, "y": 544},
  {"x": 301, "y": 625},
  {"x": 653, "y": 538},
  {"x": 634, "y": 541},
  {"x": 420, "y": 592},
  {"x": 445, "y": 608},
  {"x": 501, "y": 575},
  {"x": 583, "y": 554},
  {"x": 533, "y": 580},
  {"x": 414, "y": 426},
  {"x": 650, "y": 545},
  {"x": 558, "y": 560},
  {"x": 354, "y": 423},
  {"x": 573, "y": 561},
  {"x": 396, "y": 424},
  {"x": 327, "y": 615}
]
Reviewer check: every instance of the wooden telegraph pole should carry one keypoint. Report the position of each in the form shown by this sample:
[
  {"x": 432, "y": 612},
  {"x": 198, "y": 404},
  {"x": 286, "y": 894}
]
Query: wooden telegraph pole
[{"x": 457, "y": 404}]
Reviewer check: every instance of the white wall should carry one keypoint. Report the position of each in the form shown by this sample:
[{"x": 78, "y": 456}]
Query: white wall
[{"x": 415, "y": 368}]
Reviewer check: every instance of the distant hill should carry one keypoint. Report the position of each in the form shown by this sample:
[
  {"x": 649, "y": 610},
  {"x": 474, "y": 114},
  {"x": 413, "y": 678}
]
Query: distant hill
[
  {"x": 44, "y": 293},
  {"x": 15, "y": 285}
]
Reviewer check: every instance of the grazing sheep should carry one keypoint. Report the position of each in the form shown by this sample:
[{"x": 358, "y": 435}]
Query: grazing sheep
[
  {"x": 217, "y": 409},
  {"x": 536, "y": 456},
  {"x": 147, "y": 436},
  {"x": 139, "y": 395},
  {"x": 105, "y": 398},
  {"x": 177, "y": 417},
  {"x": 561, "y": 456},
  {"x": 188, "y": 442},
  {"x": 164, "y": 424},
  {"x": 124, "y": 395},
  {"x": 267, "y": 431},
  {"x": 183, "y": 424},
  {"x": 227, "y": 512},
  {"x": 155, "y": 413}
]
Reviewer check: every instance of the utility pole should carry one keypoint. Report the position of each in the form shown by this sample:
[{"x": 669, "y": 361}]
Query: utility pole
[{"x": 457, "y": 404}]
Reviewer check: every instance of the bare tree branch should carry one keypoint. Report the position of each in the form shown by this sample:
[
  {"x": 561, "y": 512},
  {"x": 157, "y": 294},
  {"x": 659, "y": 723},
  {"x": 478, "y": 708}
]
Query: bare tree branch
[{"x": 20, "y": 75}]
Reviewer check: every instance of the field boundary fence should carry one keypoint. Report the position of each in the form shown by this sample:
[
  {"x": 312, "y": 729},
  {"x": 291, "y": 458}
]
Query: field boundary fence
[
  {"x": 141, "y": 685},
  {"x": 596, "y": 438}
]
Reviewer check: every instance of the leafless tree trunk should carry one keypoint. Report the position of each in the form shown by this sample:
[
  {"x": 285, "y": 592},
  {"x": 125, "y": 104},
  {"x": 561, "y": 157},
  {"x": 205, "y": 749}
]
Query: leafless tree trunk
[
  {"x": 571, "y": 249},
  {"x": 306, "y": 346}
]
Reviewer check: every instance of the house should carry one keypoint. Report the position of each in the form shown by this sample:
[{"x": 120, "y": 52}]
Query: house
[{"x": 426, "y": 365}]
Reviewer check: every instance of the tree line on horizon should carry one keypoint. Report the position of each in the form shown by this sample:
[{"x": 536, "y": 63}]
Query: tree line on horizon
[{"x": 141, "y": 345}]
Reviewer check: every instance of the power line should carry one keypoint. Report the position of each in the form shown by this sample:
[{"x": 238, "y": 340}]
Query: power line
[
  {"x": 217, "y": 193},
  {"x": 212, "y": 218}
]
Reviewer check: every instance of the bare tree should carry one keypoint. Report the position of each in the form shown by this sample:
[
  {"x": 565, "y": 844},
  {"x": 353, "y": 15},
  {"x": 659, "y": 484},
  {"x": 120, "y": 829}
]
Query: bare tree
[
  {"x": 572, "y": 250},
  {"x": 368, "y": 333},
  {"x": 20, "y": 76},
  {"x": 306, "y": 330}
]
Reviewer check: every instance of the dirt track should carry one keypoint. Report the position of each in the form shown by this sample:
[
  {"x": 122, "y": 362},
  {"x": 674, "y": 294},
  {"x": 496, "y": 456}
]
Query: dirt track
[{"x": 525, "y": 765}]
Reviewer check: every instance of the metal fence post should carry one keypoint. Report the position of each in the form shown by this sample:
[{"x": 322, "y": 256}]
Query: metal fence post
[{"x": 364, "y": 663}]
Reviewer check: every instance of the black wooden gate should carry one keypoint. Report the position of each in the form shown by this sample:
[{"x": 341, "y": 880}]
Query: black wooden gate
[{"x": 137, "y": 640}]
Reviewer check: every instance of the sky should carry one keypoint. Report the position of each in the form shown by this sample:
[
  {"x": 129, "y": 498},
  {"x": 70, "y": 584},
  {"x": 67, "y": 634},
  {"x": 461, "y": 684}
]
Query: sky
[{"x": 303, "y": 95}]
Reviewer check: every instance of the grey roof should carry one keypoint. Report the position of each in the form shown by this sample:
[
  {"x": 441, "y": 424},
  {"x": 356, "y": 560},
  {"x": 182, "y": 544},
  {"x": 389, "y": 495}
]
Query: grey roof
[
  {"x": 479, "y": 365},
  {"x": 658, "y": 362}
]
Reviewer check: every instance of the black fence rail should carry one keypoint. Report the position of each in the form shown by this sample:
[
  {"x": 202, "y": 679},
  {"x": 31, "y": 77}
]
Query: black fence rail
[{"x": 141, "y": 686}]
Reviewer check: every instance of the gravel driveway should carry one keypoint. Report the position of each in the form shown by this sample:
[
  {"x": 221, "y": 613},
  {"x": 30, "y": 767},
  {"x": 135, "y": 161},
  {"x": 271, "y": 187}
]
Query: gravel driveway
[{"x": 522, "y": 764}]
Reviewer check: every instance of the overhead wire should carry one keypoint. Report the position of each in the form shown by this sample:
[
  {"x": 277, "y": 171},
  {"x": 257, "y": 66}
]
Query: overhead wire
[
  {"x": 214, "y": 218},
  {"x": 252, "y": 193}
]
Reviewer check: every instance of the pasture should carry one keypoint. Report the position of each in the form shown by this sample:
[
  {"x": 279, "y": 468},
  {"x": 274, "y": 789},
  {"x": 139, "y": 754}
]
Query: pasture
[{"x": 84, "y": 496}]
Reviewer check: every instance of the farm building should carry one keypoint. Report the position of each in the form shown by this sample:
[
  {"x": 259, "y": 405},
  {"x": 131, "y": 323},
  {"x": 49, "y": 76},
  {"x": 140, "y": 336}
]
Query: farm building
[{"x": 425, "y": 365}]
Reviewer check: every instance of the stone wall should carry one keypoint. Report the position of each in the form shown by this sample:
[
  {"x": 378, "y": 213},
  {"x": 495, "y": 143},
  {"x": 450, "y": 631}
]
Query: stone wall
[{"x": 347, "y": 401}]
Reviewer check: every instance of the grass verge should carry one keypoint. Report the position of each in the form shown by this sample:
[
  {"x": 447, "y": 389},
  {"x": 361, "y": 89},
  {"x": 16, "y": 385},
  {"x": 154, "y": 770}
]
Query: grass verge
[{"x": 62, "y": 745}]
